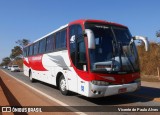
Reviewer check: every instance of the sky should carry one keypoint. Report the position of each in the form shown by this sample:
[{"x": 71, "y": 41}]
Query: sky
[{"x": 32, "y": 19}]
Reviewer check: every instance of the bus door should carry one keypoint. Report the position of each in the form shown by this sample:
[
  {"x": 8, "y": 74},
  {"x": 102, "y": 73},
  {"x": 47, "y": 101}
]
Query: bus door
[{"x": 78, "y": 57}]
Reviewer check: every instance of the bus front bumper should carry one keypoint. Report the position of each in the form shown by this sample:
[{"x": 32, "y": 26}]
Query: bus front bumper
[{"x": 102, "y": 91}]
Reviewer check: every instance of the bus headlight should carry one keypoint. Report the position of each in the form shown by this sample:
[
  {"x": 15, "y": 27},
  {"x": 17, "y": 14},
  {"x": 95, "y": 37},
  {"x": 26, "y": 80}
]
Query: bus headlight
[
  {"x": 137, "y": 80},
  {"x": 100, "y": 83}
]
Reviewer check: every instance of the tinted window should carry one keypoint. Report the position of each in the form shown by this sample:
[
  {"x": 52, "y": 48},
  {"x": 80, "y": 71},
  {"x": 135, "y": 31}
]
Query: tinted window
[
  {"x": 42, "y": 45},
  {"x": 31, "y": 50},
  {"x": 61, "y": 39},
  {"x": 58, "y": 41},
  {"x": 74, "y": 30},
  {"x": 36, "y": 48},
  {"x": 122, "y": 34},
  {"x": 50, "y": 44},
  {"x": 81, "y": 55},
  {"x": 25, "y": 52},
  {"x": 82, "y": 52},
  {"x": 79, "y": 30}
]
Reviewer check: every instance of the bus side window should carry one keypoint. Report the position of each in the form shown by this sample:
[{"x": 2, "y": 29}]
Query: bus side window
[
  {"x": 50, "y": 43},
  {"x": 63, "y": 39},
  {"x": 36, "y": 45},
  {"x": 58, "y": 40},
  {"x": 31, "y": 50},
  {"x": 72, "y": 32},
  {"x": 42, "y": 46},
  {"x": 25, "y": 52}
]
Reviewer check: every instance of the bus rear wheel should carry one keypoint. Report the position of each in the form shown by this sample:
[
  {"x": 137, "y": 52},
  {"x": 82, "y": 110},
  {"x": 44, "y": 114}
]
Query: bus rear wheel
[
  {"x": 30, "y": 77},
  {"x": 62, "y": 85}
]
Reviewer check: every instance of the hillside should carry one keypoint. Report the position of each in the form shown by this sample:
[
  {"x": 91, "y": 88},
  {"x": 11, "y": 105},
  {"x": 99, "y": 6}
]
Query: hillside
[{"x": 149, "y": 61}]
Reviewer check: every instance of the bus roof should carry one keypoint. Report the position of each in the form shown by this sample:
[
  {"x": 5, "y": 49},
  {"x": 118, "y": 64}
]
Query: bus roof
[
  {"x": 62, "y": 27},
  {"x": 81, "y": 21}
]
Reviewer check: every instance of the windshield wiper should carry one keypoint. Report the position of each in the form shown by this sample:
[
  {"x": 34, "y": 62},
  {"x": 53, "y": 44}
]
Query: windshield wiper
[
  {"x": 113, "y": 53},
  {"x": 120, "y": 54},
  {"x": 130, "y": 61}
]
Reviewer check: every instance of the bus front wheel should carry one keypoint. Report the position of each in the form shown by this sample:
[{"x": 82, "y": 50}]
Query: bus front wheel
[{"x": 62, "y": 85}]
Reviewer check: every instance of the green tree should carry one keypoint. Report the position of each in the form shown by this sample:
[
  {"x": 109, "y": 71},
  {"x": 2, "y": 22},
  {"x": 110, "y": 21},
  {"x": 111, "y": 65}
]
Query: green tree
[
  {"x": 158, "y": 33},
  {"x": 16, "y": 51},
  {"x": 5, "y": 61},
  {"x": 23, "y": 42}
]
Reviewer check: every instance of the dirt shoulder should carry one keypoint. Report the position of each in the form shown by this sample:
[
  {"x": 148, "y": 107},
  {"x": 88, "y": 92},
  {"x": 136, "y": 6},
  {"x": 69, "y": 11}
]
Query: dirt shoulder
[
  {"x": 151, "y": 84},
  {"x": 150, "y": 78},
  {"x": 14, "y": 93}
]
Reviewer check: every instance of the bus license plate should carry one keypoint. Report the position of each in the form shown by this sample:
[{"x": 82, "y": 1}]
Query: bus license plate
[{"x": 122, "y": 90}]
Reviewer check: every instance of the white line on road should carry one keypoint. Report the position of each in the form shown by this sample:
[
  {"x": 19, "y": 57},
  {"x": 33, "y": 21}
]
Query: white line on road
[{"x": 49, "y": 97}]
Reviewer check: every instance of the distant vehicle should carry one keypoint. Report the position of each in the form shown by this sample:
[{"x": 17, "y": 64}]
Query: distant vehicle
[
  {"x": 94, "y": 58},
  {"x": 4, "y": 67},
  {"x": 9, "y": 67},
  {"x": 15, "y": 68}
]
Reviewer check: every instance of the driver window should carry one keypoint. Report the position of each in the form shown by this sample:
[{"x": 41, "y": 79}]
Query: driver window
[
  {"x": 77, "y": 46},
  {"x": 81, "y": 56}
]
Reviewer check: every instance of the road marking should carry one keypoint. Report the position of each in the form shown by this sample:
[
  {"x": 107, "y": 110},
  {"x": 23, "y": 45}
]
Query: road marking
[
  {"x": 49, "y": 97},
  {"x": 143, "y": 96}
]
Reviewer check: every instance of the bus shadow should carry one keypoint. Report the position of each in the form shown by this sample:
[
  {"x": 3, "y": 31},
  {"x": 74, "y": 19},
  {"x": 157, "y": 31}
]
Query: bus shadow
[
  {"x": 46, "y": 84},
  {"x": 8, "y": 94},
  {"x": 10, "y": 97},
  {"x": 148, "y": 92},
  {"x": 54, "y": 87},
  {"x": 145, "y": 94}
]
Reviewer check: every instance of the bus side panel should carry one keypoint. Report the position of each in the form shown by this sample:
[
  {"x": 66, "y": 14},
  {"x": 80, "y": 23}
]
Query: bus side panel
[
  {"x": 26, "y": 70},
  {"x": 72, "y": 80},
  {"x": 58, "y": 62},
  {"x": 83, "y": 87}
]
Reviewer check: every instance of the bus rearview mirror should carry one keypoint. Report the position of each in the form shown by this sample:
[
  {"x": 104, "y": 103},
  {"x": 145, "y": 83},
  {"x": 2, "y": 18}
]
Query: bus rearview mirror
[
  {"x": 144, "y": 39},
  {"x": 91, "y": 39}
]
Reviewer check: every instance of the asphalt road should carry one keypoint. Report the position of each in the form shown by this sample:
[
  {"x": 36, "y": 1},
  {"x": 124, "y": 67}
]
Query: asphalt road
[{"x": 146, "y": 96}]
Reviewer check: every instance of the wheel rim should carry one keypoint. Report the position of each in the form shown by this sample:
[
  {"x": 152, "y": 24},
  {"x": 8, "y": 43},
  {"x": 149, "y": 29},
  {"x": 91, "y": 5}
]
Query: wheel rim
[{"x": 63, "y": 84}]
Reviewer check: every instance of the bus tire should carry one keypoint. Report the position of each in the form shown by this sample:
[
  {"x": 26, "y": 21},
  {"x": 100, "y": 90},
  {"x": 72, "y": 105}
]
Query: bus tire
[
  {"x": 62, "y": 85},
  {"x": 30, "y": 77}
]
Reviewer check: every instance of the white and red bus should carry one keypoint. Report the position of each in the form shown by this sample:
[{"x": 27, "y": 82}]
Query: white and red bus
[{"x": 93, "y": 58}]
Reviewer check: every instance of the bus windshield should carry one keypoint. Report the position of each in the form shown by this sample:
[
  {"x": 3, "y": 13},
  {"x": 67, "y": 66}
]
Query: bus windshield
[{"x": 114, "y": 49}]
